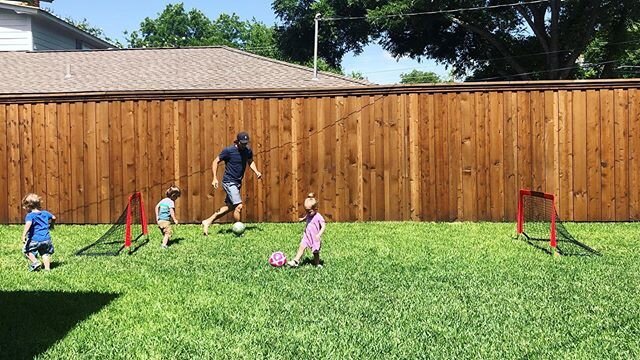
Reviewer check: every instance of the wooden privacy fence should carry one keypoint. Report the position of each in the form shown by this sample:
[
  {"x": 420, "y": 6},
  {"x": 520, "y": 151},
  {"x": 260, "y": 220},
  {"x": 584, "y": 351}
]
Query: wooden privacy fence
[{"x": 457, "y": 152}]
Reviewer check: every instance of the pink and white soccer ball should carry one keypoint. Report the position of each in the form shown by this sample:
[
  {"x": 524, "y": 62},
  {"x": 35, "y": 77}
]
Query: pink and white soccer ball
[{"x": 277, "y": 259}]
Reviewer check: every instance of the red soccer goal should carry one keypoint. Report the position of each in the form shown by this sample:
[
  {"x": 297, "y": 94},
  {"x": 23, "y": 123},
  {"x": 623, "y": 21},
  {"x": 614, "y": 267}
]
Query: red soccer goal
[
  {"x": 130, "y": 228},
  {"x": 537, "y": 216}
]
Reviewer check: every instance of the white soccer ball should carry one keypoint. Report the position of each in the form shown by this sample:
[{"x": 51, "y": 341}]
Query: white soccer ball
[{"x": 238, "y": 228}]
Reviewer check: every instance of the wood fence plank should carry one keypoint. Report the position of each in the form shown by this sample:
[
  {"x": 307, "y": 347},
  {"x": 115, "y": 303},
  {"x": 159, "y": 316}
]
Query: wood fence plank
[
  {"x": 551, "y": 143},
  {"x": 468, "y": 159},
  {"x": 103, "y": 160},
  {"x": 274, "y": 162},
  {"x": 14, "y": 170},
  {"x": 194, "y": 161},
  {"x": 118, "y": 200},
  {"x": 621, "y": 130},
  {"x": 128, "y": 149},
  {"x": 634, "y": 154},
  {"x": 352, "y": 162},
  {"x": 510, "y": 153},
  {"x": 525, "y": 141},
  {"x": 607, "y": 155},
  {"x": 156, "y": 149},
  {"x": 579, "y": 156},
  {"x": 366, "y": 122},
  {"x": 455, "y": 165},
  {"x": 26, "y": 149},
  {"x": 482, "y": 153},
  {"x": 64, "y": 164},
  {"x": 379, "y": 172},
  {"x": 90, "y": 164},
  {"x": 142, "y": 166},
  {"x": 415, "y": 178},
  {"x": 442, "y": 155},
  {"x": 4, "y": 157},
  {"x": 538, "y": 154},
  {"x": 594, "y": 183},
  {"x": 496, "y": 156},
  {"x": 565, "y": 158},
  {"x": 39, "y": 153},
  {"x": 288, "y": 142}
]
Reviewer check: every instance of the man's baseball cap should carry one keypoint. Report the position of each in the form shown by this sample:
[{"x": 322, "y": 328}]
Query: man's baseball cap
[{"x": 243, "y": 137}]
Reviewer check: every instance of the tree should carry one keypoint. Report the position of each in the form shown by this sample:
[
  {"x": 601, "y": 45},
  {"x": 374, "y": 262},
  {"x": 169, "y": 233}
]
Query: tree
[
  {"x": 357, "y": 75},
  {"x": 627, "y": 63},
  {"x": 419, "y": 77},
  {"x": 175, "y": 27},
  {"x": 92, "y": 30},
  {"x": 532, "y": 40},
  {"x": 85, "y": 26}
]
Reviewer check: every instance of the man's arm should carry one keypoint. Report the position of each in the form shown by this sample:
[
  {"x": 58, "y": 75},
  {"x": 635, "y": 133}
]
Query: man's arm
[
  {"x": 253, "y": 167},
  {"x": 214, "y": 170}
]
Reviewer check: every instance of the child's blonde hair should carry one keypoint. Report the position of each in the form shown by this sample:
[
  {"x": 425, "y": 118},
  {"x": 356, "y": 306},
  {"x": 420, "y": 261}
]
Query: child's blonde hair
[
  {"x": 173, "y": 192},
  {"x": 310, "y": 202},
  {"x": 31, "y": 201}
]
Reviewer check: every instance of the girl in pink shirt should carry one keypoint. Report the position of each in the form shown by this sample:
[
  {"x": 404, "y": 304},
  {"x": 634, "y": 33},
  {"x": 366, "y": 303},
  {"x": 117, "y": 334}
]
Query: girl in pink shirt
[{"x": 311, "y": 238}]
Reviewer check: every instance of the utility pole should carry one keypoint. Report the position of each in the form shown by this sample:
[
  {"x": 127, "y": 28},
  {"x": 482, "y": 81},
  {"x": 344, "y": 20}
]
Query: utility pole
[{"x": 315, "y": 48}]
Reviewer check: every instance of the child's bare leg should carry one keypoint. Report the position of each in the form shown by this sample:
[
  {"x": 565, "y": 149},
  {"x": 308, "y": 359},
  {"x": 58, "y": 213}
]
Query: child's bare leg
[
  {"x": 46, "y": 260},
  {"x": 32, "y": 258},
  {"x": 237, "y": 212},
  {"x": 299, "y": 253},
  {"x": 216, "y": 215},
  {"x": 296, "y": 260},
  {"x": 316, "y": 258},
  {"x": 165, "y": 239}
]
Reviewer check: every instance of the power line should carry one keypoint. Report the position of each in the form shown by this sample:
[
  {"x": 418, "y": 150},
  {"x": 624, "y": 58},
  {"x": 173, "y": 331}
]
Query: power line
[
  {"x": 432, "y": 12},
  {"x": 546, "y": 71},
  {"x": 503, "y": 57}
]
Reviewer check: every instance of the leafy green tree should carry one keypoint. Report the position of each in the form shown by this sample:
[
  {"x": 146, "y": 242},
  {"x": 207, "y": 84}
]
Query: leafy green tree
[
  {"x": 176, "y": 27},
  {"x": 625, "y": 63},
  {"x": 92, "y": 30},
  {"x": 419, "y": 77},
  {"x": 357, "y": 75},
  {"x": 531, "y": 40}
]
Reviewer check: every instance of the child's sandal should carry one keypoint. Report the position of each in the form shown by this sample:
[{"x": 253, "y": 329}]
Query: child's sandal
[{"x": 293, "y": 263}]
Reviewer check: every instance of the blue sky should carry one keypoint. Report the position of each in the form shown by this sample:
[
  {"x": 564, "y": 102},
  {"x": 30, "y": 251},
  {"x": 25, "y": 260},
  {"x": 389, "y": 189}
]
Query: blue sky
[{"x": 116, "y": 16}]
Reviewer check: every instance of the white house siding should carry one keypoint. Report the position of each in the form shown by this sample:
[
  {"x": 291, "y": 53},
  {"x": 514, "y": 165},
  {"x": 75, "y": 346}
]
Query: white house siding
[{"x": 15, "y": 31}]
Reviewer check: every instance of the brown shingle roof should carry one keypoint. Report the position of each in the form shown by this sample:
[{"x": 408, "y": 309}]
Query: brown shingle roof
[{"x": 203, "y": 68}]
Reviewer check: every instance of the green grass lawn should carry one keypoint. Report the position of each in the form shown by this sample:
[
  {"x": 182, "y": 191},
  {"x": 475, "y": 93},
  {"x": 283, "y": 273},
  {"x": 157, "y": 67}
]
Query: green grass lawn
[{"x": 388, "y": 290}]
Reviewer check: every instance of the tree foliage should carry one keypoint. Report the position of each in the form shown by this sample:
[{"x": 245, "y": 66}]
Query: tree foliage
[
  {"x": 176, "y": 27},
  {"x": 532, "y": 40},
  {"x": 419, "y": 77},
  {"x": 85, "y": 26}
]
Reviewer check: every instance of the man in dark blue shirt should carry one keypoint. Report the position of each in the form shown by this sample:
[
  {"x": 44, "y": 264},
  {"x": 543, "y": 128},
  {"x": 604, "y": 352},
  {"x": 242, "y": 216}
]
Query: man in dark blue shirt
[{"x": 236, "y": 157}]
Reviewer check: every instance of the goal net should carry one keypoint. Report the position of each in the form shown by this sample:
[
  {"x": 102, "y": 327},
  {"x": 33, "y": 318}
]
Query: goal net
[
  {"x": 538, "y": 220},
  {"x": 128, "y": 232}
]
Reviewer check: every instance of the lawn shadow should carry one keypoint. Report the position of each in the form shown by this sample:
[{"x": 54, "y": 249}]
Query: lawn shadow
[
  {"x": 32, "y": 321},
  {"x": 175, "y": 241},
  {"x": 227, "y": 230},
  {"x": 309, "y": 261},
  {"x": 567, "y": 245},
  {"x": 110, "y": 246}
]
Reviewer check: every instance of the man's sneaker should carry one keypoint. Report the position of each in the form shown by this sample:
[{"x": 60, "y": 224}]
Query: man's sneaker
[
  {"x": 319, "y": 266},
  {"x": 292, "y": 263},
  {"x": 163, "y": 246},
  {"x": 34, "y": 266}
]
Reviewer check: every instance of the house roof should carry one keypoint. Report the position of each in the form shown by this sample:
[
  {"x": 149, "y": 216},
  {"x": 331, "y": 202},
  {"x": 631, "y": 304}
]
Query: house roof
[
  {"x": 202, "y": 68},
  {"x": 22, "y": 7}
]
